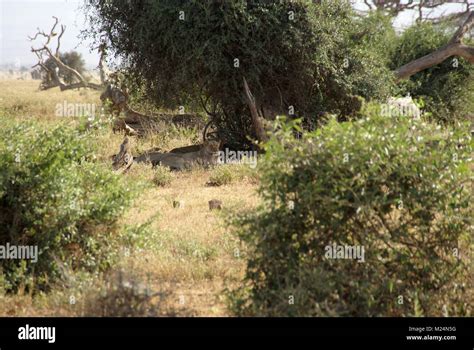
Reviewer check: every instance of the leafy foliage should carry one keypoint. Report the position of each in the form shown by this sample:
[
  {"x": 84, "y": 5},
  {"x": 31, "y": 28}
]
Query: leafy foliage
[
  {"x": 397, "y": 187},
  {"x": 53, "y": 195},
  {"x": 447, "y": 88}
]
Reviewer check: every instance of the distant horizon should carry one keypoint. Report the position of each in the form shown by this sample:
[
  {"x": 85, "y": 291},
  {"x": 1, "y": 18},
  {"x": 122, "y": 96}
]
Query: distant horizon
[{"x": 21, "y": 18}]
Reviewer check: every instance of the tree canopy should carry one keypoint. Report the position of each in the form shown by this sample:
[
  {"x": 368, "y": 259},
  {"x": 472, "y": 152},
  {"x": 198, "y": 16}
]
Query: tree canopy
[{"x": 299, "y": 58}]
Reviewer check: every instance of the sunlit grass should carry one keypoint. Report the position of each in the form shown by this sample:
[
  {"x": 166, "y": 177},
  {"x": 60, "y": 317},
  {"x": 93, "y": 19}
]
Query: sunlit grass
[{"x": 185, "y": 252}]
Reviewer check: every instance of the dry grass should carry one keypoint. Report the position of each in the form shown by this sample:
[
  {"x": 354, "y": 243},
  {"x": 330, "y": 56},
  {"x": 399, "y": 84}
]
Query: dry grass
[
  {"x": 188, "y": 256},
  {"x": 191, "y": 255},
  {"x": 22, "y": 99}
]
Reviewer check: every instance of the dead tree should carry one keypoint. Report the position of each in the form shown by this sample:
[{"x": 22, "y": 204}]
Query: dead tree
[
  {"x": 46, "y": 52},
  {"x": 113, "y": 90},
  {"x": 454, "y": 47}
]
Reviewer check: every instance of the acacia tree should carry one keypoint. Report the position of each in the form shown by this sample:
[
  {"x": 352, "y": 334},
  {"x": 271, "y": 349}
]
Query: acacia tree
[{"x": 298, "y": 58}]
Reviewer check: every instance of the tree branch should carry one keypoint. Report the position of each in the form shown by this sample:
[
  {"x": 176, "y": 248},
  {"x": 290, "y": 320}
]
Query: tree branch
[
  {"x": 45, "y": 49},
  {"x": 455, "y": 47},
  {"x": 462, "y": 30}
]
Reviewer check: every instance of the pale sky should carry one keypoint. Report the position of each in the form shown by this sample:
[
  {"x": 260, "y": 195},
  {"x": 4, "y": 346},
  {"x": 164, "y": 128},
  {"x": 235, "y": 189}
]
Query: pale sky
[{"x": 20, "y": 18}]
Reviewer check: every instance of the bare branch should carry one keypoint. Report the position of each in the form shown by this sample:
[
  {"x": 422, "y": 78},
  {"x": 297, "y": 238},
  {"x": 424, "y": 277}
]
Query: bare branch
[
  {"x": 63, "y": 29},
  {"x": 51, "y": 72},
  {"x": 462, "y": 30},
  {"x": 103, "y": 69}
]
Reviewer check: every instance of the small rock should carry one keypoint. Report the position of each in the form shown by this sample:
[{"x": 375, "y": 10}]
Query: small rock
[
  {"x": 178, "y": 204},
  {"x": 215, "y": 204}
]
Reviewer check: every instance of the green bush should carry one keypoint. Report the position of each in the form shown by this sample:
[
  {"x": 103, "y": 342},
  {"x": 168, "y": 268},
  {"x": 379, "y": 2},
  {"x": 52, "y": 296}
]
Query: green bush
[
  {"x": 447, "y": 88},
  {"x": 53, "y": 195},
  {"x": 397, "y": 187}
]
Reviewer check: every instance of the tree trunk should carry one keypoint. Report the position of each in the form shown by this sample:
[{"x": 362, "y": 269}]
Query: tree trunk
[{"x": 257, "y": 121}]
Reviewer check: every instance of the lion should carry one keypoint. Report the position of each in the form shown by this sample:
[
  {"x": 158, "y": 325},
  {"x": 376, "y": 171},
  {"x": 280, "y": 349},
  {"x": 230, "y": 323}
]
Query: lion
[{"x": 205, "y": 157}]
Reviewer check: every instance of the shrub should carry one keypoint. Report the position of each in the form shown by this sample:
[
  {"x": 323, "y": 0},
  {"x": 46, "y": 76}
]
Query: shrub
[
  {"x": 162, "y": 176},
  {"x": 54, "y": 196},
  {"x": 124, "y": 295},
  {"x": 194, "y": 249},
  {"x": 447, "y": 88},
  {"x": 221, "y": 175},
  {"x": 226, "y": 174},
  {"x": 397, "y": 187}
]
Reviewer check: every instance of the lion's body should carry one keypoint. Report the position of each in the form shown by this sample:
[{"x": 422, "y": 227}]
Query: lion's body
[{"x": 205, "y": 157}]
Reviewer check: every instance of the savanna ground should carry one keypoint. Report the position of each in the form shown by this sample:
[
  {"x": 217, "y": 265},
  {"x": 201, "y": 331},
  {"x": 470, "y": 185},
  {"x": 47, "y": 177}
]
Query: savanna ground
[{"x": 188, "y": 257}]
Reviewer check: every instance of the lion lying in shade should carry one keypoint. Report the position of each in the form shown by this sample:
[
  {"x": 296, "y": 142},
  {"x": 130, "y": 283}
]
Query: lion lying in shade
[{"x": 205, "y": 157}]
